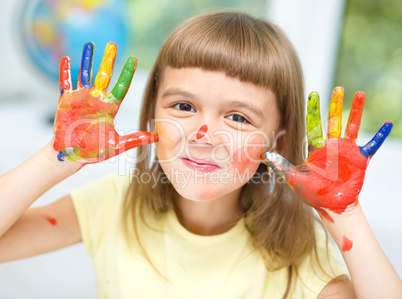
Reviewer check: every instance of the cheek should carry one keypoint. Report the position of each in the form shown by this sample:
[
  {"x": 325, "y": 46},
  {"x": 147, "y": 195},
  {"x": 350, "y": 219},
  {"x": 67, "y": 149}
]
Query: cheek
[
  {"x": 246, "y": 159},
  {"x": 169, "y": 137}
]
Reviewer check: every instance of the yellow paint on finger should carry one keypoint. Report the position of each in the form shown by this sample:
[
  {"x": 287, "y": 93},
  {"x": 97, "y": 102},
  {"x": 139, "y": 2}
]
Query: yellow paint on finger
[
  {"x": 106, "y": 68},
  {"x": 335, "y": 113}
]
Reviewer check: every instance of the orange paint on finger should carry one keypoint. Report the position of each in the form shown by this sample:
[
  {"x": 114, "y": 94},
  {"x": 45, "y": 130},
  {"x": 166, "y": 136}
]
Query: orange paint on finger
[
  {"x": 51, "y": 220},
  {"x": 346, "y": 244},
  {"x": 335, "y": 113}
]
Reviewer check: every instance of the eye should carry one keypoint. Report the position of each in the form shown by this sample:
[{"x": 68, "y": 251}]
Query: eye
[
  {"x": 183, "y": 107},
  {"x": 238, "y": 118}
]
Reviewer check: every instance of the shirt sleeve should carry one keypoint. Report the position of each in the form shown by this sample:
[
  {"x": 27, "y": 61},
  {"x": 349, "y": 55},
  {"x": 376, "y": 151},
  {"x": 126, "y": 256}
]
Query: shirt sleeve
[
  {"x": 316, "y": 271},
  {"x": 95, "y": 204}
]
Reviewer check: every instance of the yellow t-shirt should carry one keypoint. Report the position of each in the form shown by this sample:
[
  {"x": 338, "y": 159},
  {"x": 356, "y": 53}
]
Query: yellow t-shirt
[{"x": 220, "y": 266}]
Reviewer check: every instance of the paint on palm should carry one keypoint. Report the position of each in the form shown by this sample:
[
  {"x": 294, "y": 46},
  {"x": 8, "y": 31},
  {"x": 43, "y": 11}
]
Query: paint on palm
[
  {"x": 333, "y": 174},
  {"x": 84, "y": 125}
]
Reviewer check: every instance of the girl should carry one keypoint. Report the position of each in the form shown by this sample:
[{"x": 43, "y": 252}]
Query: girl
[{"x": 206, "y": 218}]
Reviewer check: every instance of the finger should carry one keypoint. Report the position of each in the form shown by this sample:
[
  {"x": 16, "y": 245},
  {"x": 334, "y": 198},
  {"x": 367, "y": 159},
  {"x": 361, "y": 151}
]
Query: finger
[
  {"x": 106, "y": 68},
  {"x": 335, "y": 113},
  {"x": 85, "y": 75},
  {"x": 374, "y": 144},
  {"x": 278, "y": 163},
  {"x": 355, "y": 116},
  {"x": 314, "y": 127},
  {"x": 65, "y": 76},
  {"x": 123, "y": 83},
  {"x": 134, "y": 140}
]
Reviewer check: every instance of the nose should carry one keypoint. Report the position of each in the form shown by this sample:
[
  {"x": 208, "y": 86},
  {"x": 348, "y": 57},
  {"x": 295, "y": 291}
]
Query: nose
[
  {"x": 202, "y": 131},
  {"x": 206, "y": 134},
  {"x": 206, "y": 142}
]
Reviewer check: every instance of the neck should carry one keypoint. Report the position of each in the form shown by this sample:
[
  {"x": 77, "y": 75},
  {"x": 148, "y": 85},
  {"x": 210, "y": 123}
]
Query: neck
[{"x": 211, "y": 217}]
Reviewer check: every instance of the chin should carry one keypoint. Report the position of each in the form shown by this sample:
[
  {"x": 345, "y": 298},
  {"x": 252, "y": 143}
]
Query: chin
[
  {"x": 199, "y": 192},
  {"x": 206, "y": 192}
]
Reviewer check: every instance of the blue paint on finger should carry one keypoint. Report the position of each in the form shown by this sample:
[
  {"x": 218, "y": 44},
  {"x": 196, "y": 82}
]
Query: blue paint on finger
[
  {"x": 86, "y": 64},
  {"x": 374, "y": 144}
]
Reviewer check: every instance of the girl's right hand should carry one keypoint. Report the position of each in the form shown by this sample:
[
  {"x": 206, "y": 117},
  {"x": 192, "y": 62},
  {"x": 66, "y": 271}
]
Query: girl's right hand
[{"x": 84, "y": 125}]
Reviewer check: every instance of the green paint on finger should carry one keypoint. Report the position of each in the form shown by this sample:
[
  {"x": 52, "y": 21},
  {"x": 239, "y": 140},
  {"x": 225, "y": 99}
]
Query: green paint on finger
[
  {"x": 120, "y": 89},
  {"x": 314, "y": 127}
]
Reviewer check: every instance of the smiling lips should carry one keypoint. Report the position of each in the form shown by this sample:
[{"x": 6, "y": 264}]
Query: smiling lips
[{"x": 201, "y": 165}]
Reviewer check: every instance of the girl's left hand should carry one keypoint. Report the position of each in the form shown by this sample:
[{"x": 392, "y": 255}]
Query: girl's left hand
[{"x": 331, "y": 178}]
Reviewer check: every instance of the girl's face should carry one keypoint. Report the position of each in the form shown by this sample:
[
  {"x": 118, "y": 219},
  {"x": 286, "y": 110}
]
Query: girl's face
[{"x": 212, "y": 130}]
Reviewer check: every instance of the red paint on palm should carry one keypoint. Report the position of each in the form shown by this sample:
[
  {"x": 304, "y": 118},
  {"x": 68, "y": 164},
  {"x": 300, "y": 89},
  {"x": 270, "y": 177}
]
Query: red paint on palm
[
  {"x": 331, "y": 177},
  {"x": 84, "y": 124}
]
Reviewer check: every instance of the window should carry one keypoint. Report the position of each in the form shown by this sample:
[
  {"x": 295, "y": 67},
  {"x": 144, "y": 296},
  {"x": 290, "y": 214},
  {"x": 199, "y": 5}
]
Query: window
[
  {"x": 370, "y": 60},
  {"x": 153, "y": 21}
]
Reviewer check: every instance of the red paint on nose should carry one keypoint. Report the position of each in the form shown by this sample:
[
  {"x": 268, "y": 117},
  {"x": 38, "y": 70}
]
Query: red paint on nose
[{"x": 202, "y": 131}]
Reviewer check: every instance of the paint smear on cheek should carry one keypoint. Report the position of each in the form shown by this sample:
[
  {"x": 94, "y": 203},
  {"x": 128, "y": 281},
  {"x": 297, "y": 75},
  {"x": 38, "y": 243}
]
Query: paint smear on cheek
[
  {"x": 247, "y": 157},
  {"x": 254, "y": 149},
  {"x": 163, "y": 135},
  {"x": 51, "y": 220},
  {"x": 346, "y": 244},
  {"x": 165, "y": 145}
]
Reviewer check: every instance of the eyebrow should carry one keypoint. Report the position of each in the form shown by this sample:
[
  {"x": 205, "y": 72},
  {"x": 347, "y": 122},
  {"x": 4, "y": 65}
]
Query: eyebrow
[
  {"x": 248, "y": 106},
  {"x": 234, "y": 103},
  {"x": 177, "y": 92}
]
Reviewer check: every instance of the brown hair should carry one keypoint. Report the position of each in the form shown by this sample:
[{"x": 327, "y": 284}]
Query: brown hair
[{"x": 254, "y": 51}]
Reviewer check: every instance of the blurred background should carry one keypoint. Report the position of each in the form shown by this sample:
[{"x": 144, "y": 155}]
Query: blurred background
[{"x": 352, "y": 43}]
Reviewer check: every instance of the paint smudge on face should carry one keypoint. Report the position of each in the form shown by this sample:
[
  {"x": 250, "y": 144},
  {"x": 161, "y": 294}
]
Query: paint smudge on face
[
  {"x": 346, "y": 244},
  {"x": 51, "y": 220},
  {"x": 247, "y": 156},
  {"x": 206, "y": 194},
  {"x": 202, "y": 131}
]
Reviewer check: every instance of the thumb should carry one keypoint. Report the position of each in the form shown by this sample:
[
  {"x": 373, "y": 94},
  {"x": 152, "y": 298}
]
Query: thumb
[
  {"x": 278, "y": 163},
  {"x": 130, "y": 141}
]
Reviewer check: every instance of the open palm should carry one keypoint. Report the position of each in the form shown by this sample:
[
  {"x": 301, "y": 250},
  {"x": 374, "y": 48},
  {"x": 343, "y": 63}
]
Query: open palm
[
  {"x": 84, "y": 125},
  {"x": 332, "y": 176}
]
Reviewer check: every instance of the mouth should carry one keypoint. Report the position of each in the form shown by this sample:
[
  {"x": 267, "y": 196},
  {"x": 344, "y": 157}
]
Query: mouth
[{"x": 201, "y": 165}]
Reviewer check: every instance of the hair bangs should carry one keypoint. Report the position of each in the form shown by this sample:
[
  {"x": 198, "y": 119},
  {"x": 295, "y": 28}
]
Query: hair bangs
[{"x": 228, "y": 43}]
